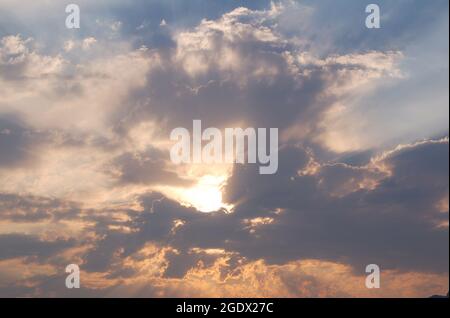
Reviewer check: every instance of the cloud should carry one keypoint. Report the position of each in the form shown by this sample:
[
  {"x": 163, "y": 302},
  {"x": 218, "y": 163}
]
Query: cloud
[
  {"x": 145, "y": 168},
  {"x": 240, "y": 69},
  {"x": 307, "y": 221},
  {"x": 394, "y": 202},
  {"x": 84, "y": 162},
  {"x": 31, "y": 209},
  {"x": 17, "y": 142},
  {"x": 255, "y": 279},
  {"x": 17, "y": 245},
  {"x": 17, "y": 60}
]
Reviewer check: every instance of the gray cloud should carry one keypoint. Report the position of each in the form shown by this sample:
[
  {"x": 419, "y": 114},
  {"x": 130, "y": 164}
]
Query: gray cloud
[
  {"x": 225, "y": 94},
  {"x": 149, "y": 167},
  {"x": 20, "y": 245},
  {"x": 393, "y": 225},
  {"x": 16, "y": 142},
  {"x": 19, "y": 208}
]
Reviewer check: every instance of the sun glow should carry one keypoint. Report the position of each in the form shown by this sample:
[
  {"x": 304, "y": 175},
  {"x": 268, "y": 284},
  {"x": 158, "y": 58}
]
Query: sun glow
[
  {"x": 205, "y": 198},
  {"x": 206, "y": 195}
]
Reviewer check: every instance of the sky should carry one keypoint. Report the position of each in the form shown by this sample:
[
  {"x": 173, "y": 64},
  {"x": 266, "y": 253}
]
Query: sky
[{"x": 86, "y": 176}]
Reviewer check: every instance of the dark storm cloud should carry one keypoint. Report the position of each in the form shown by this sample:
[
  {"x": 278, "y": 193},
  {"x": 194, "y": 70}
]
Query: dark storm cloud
[
  {"x": 157, "y": 224},
  {"x": 153, "y": 225},
  {"x": 358, "y": 158},
  {"x": 23, "y": 208},
  {"x": 393, "y": 225},
  {"x": 19, "y": 245},
  {"x": 16, "y": 142},
  {"x": 147, "y": 167},
  {"x": 179, "y": 263}
]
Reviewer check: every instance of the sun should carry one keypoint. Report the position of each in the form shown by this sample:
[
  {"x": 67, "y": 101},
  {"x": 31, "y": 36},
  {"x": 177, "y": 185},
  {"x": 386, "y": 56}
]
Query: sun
[{"x": 206, "y": 195}]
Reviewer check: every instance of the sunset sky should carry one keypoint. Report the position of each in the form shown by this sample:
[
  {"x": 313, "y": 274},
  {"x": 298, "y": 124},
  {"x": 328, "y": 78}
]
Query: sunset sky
[{"x": 86, "y": 176}]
